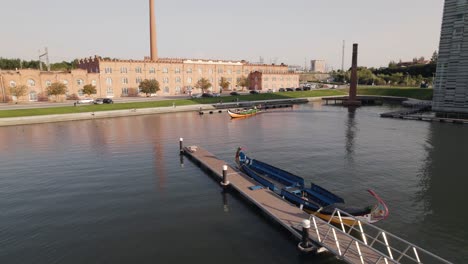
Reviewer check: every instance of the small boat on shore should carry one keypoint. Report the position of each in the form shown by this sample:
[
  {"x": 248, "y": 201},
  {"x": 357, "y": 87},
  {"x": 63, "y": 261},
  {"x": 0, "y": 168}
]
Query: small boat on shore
[
  {"x": 314, "y": 200},
  {"x": 244, "y": 113}
]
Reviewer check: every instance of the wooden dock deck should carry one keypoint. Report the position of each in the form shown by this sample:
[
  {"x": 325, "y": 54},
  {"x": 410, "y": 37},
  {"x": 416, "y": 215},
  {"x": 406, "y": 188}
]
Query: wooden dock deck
[{"x": 343, "y": 245}]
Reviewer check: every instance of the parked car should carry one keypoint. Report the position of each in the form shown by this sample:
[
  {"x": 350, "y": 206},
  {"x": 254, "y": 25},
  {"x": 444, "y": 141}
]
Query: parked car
[
  {"x": 86, "y": 101},
  {"x": 298, "y": 89},
  {"x": 108, "y": 101},
  {"x": 289, "y": 89},
  {"x": 282, "y": 90},
  {"x": 234, "y": 93},
  {"x": 254, "y": 92},
  {"x": 306, "y": 88},
  {"x": 99, "y": 101},
  {"x": 269, "y": 91},
  {"x": 216, "y": 95},
  {"x": 196, "y": 95},
  {"x": 207, "y": 95}
]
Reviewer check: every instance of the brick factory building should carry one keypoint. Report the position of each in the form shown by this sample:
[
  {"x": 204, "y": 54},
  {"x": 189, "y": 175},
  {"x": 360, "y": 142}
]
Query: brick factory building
[{"x": 121, "y": 78}]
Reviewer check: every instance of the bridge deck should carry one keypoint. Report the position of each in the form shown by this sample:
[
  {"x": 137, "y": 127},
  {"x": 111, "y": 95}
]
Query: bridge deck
[{"x": 286, "y": 214}]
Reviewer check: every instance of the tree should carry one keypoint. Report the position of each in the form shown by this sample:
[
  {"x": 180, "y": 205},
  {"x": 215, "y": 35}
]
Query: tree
[
  {"x": 434, "y": 57},
  {"x": 56, "y": 89},
  {"x": 89, "y": 89},
  {"x": 19, "y": 91},
  {"x": 224, "y": 83},
  {"x": 203, "y": 84},
  {"x": 149, "y": 86},
  {"x": 243, "y": 82}
]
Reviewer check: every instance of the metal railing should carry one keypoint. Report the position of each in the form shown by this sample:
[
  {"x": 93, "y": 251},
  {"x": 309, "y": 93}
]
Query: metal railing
[{"x": 380, "y": 246}]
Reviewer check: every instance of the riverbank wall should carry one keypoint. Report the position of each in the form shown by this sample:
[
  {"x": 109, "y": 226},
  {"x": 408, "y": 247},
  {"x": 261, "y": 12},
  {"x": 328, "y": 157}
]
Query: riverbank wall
[{"x": 13, "y": 121}]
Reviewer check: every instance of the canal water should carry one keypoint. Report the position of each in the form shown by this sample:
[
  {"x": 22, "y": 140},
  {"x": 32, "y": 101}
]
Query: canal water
[{"x": 115, "y": 191}]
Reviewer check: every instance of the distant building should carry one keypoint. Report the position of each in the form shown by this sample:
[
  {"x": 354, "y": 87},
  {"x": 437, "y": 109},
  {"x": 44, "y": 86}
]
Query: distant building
[
  {"x": 296, "y": 68},
  {"x": 451, "y": 83},
  {"x": 416, "y": 61},
  {"x": 318, "y": 66},
  {"x": 273, "y": 80}
]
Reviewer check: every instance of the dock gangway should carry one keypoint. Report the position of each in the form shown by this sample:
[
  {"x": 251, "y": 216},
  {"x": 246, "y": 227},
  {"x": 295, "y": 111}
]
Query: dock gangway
[{"x": 347, "y": 242}]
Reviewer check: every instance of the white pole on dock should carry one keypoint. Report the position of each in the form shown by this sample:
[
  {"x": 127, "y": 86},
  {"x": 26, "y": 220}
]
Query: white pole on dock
[
  {"x": 225, "y": 182},
  {"x": 305, "y": 245},
  {"x": 181, "y": 145}
]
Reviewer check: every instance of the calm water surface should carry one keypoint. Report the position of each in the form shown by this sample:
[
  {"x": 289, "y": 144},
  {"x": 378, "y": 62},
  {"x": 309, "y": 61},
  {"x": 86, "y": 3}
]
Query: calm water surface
[{"x": 114, "y": 191}]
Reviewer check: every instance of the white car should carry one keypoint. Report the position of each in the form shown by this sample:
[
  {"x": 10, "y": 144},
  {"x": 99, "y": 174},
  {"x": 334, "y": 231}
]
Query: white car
[
  {"x": 196, "y": 95},
  {"x": 85, "y": 101}
]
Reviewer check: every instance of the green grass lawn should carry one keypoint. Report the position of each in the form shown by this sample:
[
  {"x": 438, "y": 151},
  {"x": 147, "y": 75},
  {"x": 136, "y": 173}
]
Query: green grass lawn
[
  {"x": 165, "y": 103},
  {"x": 416, "y": 93}
]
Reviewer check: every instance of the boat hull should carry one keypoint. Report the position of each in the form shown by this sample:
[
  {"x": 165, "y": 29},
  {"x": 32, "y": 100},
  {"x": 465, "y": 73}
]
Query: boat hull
[
  {"x": 314, "y": 200},
  {"x": 242, "y": 114}
]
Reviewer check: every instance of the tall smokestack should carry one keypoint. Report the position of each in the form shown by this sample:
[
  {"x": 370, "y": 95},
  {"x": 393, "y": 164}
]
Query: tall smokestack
[
  {"x": 153, "y": 44},
  {"x": 353, "y": 85},
  {"x": 352, "y": 101}
]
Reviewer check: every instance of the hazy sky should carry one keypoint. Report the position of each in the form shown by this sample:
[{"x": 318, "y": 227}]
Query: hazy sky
[{"x": 290, "y": 31}]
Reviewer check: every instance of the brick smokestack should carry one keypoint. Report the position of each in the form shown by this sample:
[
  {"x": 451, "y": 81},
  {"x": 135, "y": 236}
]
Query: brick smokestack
[
  {"x": 354, "y": 80},
  {"x": 352, "y": 99},
  {"x": 153, "y": 44}
]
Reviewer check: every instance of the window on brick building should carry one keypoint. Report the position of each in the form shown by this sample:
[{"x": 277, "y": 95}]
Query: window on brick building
[
  {"x": 166, "y": 80},
  {"x": 79, "y": 82},
  {"x": 220, "y": 71},
  {"x": 31, "y": 83},
  {"x": 123, "y": 70},
  {"x": 189, "y": 70},
  {"x": 165, "y": 70},
  {"x": 177, "y": 90},
  {"x": 152, "y": 70},
  {"x": 210, "y": 71},
  {"x": 177, "y": 70},
  {"x": 229, "y": 71},
  {"x": 138, "y": 69},
  {"x": 178, "y": 79},
  {"x": 48, "y": 83},
  {"x": 109, "y": 81},
  {"x": 12, "y": 84},
  {"x": 33, "y": 96},
  {"x": 93, "y": 82},
  {"x": 200, "y": 70},
  {"x": 238, "y": 71},
  {"x": 125, "y": 91},
  {"x": 138, "y": 80},
  {"x": 189, "y": 80},
  {"x": 66, "y": 82},
  {"x": 124, "y": 81},
  {"x": 166, "y": 89},
  {"x": 110, "y": 91},
  {"x": 108, "y": 70}
]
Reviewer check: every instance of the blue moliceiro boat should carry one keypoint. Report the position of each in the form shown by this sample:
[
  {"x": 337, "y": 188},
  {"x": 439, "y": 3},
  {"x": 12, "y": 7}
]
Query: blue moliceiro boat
[{"x": 314, "y": 200}]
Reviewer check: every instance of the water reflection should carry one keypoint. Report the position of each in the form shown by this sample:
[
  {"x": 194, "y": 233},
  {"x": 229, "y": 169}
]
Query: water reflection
[
  {"x": 225, "y": 200},
  {"x": 181, "y": 158},
  {"x": 351, "y": 128},
  {"x": 442, "y": 185}
]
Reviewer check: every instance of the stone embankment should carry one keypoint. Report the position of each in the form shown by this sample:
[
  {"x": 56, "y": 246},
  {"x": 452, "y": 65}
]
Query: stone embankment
[{"x": 13, "y": 121}]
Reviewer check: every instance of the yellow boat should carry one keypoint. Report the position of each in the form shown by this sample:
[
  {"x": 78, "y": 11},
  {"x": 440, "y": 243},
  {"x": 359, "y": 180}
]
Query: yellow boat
[{"x": 245, "y": 113}]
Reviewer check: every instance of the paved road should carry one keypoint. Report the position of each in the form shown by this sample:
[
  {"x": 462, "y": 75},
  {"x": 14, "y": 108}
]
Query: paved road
[{"x": 32, "y": 105}]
